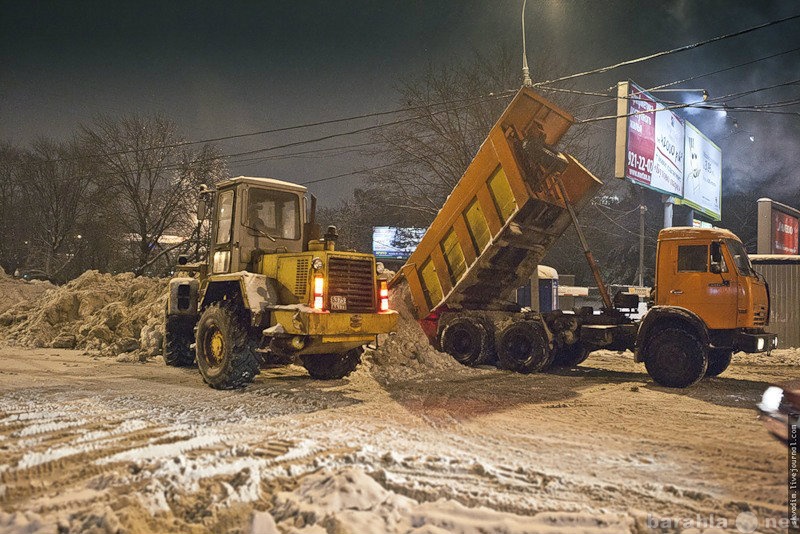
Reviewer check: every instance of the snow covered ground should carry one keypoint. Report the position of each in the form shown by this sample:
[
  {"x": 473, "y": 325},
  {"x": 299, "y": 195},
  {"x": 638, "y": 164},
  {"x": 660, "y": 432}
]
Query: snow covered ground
[
  {"x": 90, "y": 444},
  {"x": 109, "y": 439}
]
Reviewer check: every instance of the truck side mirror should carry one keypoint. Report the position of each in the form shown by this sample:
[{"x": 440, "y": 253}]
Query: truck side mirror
[{"x": 716, "y": 257}]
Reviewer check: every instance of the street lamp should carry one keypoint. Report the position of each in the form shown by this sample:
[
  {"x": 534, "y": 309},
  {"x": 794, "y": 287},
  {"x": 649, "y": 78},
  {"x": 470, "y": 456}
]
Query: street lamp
[{"x": 526, "y": 75}]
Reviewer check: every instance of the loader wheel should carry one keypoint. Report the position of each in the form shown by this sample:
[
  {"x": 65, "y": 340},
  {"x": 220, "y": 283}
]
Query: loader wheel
[
  {"x": 523, "y": 347},
  {"x": 468, "y": 341},
  {"x": 178, "y": 338},
  {"x": 570, "y": 355},
  {"x": 225, "y": 356},
  {"x": 675, "y": 358},
  {"x": 332, "y": 366},
  {"x": 718, "y": 361}
]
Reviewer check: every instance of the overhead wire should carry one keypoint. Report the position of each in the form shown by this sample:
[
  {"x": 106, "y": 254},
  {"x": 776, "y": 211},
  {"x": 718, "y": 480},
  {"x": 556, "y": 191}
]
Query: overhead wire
[
  {"x": 699, "y": 104},
  {"x": 544, "y": 85},
  {"x": 667, "y": 52}
]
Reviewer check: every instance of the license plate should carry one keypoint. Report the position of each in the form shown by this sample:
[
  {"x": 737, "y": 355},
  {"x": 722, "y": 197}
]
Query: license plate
[{"x": 338, "y": 303}]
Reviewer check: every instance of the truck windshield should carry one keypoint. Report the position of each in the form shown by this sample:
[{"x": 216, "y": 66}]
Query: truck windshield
[
  {"x": 740, "y": 258},
  {"x": 275, "y": 213}
]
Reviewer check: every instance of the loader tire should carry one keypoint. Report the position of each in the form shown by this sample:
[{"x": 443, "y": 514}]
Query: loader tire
[
  {"x": 524, "y": 348},
  {"x": 225, "y": 355},
  {"x": 332, "y": 366},
  {"x": 570, "y": 355},
  {"x": 468, "y": 340},
  {"x": 675, "y": 358},
  {"x": 718, "y": 361},
  {"x": 178, "y": 339}
]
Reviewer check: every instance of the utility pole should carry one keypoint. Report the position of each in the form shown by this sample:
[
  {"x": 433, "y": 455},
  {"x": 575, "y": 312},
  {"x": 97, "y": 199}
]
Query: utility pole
[{"x": 642, "y": 210}]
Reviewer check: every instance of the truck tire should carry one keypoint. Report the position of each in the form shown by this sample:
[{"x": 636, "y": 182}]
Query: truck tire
[
  {"x": 225, "y": 356},
  {"x": 468, "y": 340},
  {"x": 523, "y": 347},
  {"x": 718, "y": 361},
  {"x": 675, "y": 358},
  {"x": 332, "y": 366},
  {"x": 570, "y": 355},
  {"x": 178, "y": 339}
]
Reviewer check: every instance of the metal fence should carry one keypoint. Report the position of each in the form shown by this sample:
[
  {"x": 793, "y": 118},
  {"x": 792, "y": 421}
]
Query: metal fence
[{"x": 783, "y": 276}]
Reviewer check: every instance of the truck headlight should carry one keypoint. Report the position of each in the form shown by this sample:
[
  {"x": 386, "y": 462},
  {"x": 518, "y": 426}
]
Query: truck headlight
[
  {"x": 317, "y": 264},
  {"x": 760, "y": 344}
]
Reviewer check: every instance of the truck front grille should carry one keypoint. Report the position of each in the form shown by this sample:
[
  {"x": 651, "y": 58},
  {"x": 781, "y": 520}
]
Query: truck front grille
[
  {"x": 353, "y": 279},
  {"x": 760, "y": 316}
]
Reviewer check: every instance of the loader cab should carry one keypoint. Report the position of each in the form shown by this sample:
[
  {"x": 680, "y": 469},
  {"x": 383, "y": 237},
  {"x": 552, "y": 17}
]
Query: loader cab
[{"x": 255, "y": 216}]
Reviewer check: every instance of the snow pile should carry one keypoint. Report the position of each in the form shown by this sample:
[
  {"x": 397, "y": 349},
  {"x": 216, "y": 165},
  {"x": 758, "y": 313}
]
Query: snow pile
[
  {"x": 110, "y": 313},
  {"x": 15, "y": 292},
  {"x": 25, "y": 523},
  {"x": 349, "y": 500},
  {"x": 406, "y": 353}
]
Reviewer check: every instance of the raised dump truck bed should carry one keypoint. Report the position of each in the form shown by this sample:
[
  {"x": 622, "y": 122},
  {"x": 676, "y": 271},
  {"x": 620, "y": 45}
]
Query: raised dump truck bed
[
  {"x": 503, "y": 215},
  {"x": 493, "y": 230}
]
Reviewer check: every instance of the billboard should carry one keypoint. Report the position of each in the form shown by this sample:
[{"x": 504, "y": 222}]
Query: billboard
[
  {"x": 654, "y": 142},
  {"x": 784, "y": 233},
  {"x": 395, "y": 243},
  {"x": 778, "y": 228},
  {"x": 659, "y": 150},
  {"x": 702, "y": 185}
]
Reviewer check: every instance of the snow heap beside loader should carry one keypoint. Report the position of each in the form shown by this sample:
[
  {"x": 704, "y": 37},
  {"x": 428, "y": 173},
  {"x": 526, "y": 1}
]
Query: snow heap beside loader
[
  {"x": 272, "y": 290},
  {"x": 517, "y": 196}
]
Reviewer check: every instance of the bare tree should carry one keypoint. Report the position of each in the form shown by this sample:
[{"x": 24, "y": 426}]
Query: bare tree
[
  {"x": 154, "y": 175},
  {"x": 450, "y": 112},
  {"x": 11, "y": 224},
  {"x": 55, "y": 185}
]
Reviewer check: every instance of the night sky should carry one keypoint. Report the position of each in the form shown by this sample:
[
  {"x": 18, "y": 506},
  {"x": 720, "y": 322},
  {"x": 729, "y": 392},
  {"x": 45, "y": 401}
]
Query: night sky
[{"x": 219, "y": 69}]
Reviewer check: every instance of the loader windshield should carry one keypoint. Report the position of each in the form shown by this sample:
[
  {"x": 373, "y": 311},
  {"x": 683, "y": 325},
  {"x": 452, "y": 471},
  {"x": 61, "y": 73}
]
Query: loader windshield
[{"x": 275, "y": 213}]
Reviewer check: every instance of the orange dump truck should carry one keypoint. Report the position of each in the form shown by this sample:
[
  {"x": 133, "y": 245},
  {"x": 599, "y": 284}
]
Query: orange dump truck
[{"x": 518, "y": 195}]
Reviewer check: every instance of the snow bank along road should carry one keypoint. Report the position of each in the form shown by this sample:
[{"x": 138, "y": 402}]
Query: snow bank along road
[{"x": 94, "y": 445}]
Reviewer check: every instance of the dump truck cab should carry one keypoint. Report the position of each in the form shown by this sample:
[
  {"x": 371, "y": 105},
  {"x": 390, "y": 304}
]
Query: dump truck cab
[
  {"x": 708, "y": 271},
  {"x": 272, "y": 290},
  {"x": 708, "y": 303}
]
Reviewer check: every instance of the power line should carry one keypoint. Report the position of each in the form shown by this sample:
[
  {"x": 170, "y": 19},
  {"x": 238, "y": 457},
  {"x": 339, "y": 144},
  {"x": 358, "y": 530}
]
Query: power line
[
  {"x": 670, "y": 84},
  {"x": 692, "y": 78},
  {"x": 400, "y": 110},
  {"x": 283, "y": 129},
  {"x": 701, "y": 104},
  {"x": 667, "y": 52}
]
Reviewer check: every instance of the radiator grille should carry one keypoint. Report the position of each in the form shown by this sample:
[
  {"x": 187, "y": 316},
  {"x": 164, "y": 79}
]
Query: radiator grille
[
  {"x": 353, "y": 279},
  {"x": 301, "y": 278},
  {"x": 760, "y": 316}
]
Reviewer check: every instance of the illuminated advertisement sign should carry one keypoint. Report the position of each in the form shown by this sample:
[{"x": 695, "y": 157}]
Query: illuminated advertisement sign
[
  {"x": 654, "y": 146},
  {"x": 702, "y": 186},
  {"x": 661, "y": 151},
  {"x": 784, "y": 233},
  {"x": 393, "y": 243}
]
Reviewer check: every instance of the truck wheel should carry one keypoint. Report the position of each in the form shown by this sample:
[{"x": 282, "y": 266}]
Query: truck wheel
[
  {"x": 523, "y": 347},
  {"x": 225, "y": 356},
  {"x": 675, "y": 358},
  {"x": 570, "y": 355},
  {"x": 468, "y": 341},
  {"x": 178, "y": 338},
  {"x": 332, "y": 366},
  {"x": 718, "y": 361}
]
